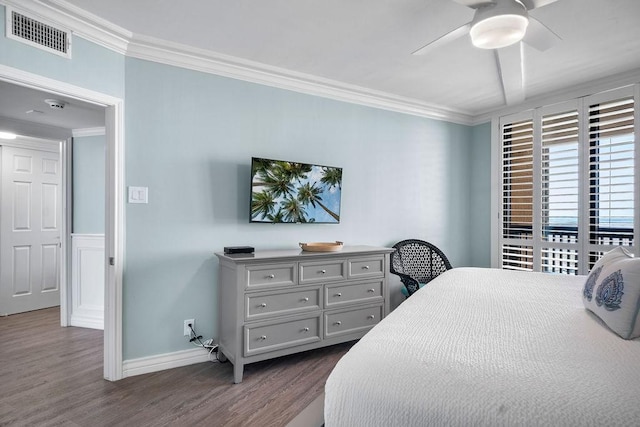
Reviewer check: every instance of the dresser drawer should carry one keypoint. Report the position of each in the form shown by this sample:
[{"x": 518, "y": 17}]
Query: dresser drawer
[
  {"x": 325, "y": 271},
  {"x": 276, "y": 303},
  {"x": 273, "y": 336},
  {"x": 348, "y": 321},
  {"x": 340, "y": 294},
  {"x": 366, "y": 267},
  {"x": 271, "y": 275}
]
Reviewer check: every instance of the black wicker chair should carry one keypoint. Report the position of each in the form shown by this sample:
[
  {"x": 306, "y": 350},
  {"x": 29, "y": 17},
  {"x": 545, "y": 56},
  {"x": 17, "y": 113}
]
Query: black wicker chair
[{"x": 417, "y": 263}]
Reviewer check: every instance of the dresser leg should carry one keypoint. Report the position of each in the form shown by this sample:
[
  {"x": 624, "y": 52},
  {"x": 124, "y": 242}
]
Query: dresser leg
[{"x": 238, "y": 369}]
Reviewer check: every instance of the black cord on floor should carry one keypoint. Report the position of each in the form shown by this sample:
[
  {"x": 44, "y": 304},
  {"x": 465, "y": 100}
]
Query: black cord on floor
[{"x": 207, "y": 345}]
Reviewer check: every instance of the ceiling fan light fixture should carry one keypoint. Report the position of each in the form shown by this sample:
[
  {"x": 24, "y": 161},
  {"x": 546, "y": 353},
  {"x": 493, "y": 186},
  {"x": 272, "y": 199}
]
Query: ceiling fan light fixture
[{"x": 498, "y": 25}]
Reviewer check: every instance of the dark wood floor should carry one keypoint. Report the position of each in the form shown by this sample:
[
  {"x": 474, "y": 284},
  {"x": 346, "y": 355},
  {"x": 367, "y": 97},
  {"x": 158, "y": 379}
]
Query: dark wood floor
[{"x": 52, "y": 376}]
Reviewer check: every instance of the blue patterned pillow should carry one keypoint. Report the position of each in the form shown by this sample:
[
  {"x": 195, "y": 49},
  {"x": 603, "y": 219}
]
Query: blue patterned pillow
[{"x": 612, "y": 292}]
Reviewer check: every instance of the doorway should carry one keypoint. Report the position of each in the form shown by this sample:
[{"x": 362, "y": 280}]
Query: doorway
[{"x": 114, "y": 204}]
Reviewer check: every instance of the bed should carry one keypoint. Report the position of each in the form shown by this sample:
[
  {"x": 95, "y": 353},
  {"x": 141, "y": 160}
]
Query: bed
[{"x": 488, "y": 347}]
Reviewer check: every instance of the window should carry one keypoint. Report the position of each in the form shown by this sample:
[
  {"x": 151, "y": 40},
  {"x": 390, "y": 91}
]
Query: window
[
  {"x": 559, "y": 192},
  {"x": 611, "y": 173},
  {"x": 517, "y": 194},
  {"x": 569, "y": 185}
]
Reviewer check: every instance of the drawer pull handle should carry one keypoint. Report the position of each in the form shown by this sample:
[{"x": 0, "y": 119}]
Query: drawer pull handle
[
  {"x": 264, "y": 337},
  {"x": 305, "y": 299},
  {"x": 338, "y": 323},
  {"x": 371, "y": 290},
  {"x": 271, "y": 276},
  {"x": 263, "y": 305},
  {"x": 366, "y": 267},
  {"x": 339, "y": 294},
  {"x": 305, "y": 330},
  {"x": 323, "y": 271},
  {"x": 371, "y": 316}
]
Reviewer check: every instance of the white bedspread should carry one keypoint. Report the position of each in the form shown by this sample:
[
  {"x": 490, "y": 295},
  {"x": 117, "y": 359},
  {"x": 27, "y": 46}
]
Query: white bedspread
[{"x": 487, "y": 347}]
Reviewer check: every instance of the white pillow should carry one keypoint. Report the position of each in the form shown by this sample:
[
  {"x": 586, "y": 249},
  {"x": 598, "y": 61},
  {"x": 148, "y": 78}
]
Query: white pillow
[{"x": 612, "y": 292}]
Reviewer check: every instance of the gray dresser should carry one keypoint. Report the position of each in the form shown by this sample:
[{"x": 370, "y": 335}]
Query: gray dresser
[{"x": 274, "y": 303}]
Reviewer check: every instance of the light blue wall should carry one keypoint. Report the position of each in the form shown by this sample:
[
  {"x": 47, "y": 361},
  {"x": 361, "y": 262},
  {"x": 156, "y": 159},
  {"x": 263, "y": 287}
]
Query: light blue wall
[
  {"x": 92, "y": 67},
  {"x": 480, "y": 187},
  {"x": 190, "y": 137},
  {"x": 88, "y": 184}
]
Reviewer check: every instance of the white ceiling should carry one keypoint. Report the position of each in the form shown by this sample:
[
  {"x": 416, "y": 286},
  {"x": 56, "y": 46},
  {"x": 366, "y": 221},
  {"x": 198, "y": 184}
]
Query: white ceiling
[
  {"x": 368, "y": 43},
  {"x": 28, "y": 105}
]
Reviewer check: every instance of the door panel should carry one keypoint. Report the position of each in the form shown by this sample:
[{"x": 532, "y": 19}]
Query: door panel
[
  {"x": 21, "y": 270},
  {"x": 50, "y": 267},
  {"x": 22, "y": 164},
  {"x": 30, "y": 220},
  {"x": 21, "y": 205},
  {"x": 50, "y": 207}
]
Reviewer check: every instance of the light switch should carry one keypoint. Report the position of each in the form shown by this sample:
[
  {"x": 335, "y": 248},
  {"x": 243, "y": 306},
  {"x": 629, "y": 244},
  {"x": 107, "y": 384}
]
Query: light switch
[{"x": 138, "y": 195}]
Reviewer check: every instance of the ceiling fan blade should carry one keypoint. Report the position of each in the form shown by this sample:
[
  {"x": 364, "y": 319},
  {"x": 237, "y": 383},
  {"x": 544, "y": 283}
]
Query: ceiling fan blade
[
  {"x": 534, "y": 4},
  {"x": 510, "y": 70},
  {"x": 441, "y": 41},
  {"x": 539, "y": 36},
  {"x": 474, "y": 4}
]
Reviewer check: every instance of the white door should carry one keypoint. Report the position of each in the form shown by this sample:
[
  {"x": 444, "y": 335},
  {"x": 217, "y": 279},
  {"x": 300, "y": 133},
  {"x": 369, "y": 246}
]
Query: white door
[{"x": 30, "y": 211}]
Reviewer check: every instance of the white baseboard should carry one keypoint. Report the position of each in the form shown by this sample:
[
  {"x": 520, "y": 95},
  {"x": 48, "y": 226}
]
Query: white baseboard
[
  {"x": 160, "y": 362},
  {"x": 88, "y": 319}
]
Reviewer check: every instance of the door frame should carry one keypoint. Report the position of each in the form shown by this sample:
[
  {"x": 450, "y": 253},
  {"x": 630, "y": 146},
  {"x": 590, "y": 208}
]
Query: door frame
[{"x": 114, "y": 205}]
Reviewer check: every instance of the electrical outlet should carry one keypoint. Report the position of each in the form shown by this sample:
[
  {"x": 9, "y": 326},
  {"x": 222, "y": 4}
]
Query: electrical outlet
[{"x": 187, "y": 330}]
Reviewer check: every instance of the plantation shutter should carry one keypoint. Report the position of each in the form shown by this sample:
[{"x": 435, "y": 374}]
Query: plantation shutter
[
  {"x": 560, "y": 157},
  {"x": 517, "y": 194},
  {"x": 569, "y": 186},
  {"x": 611, "y": 187}
]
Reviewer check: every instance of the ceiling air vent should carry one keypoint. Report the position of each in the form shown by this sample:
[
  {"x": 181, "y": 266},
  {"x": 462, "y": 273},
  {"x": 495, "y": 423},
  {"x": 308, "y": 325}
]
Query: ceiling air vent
[{"x": 36, "y": 33}]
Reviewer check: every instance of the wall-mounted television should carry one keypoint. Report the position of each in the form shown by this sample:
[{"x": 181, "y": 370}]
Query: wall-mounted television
[{"x": 293, "y": 192}]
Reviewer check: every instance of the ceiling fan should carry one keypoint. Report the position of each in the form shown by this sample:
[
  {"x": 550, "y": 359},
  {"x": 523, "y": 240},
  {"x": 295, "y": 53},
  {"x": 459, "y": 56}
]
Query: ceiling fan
[{"x": 500, "y": 23}]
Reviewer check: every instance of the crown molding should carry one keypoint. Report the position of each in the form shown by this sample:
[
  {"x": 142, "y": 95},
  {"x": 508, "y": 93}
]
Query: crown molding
[
  {"x": 166, "y": 52},
  {"x": 97, "y": 131},
  {"x": 120, "y": 40},
  {"x": 50, "y": 144},
  {"x": 33, "y": 130},
  {"x": 106, "y": 34},
  {"x": 585, "y": 89}
]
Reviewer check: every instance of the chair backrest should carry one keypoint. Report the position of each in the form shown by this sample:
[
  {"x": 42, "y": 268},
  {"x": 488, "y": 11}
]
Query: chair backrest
[{"x": 419, "y": 259}]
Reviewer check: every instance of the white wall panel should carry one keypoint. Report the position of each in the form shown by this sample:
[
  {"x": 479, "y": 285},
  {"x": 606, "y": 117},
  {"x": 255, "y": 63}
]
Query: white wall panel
[{"x": 87, "y": 280}]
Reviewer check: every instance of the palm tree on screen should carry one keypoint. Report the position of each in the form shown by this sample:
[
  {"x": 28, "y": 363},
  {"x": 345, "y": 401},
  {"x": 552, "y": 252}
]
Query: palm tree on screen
[
  {"x": 293, "y": 210},
  {"x": 262, "y": 204},
  {"x": 277, "y": 217},
  {"x": 261, "y": 168},
  {"x": 310, "y": 194},
  {"x": 332, "y": 177},
  {"x": 277, "y": 181},
  {"x": 295, "y": 171}
]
